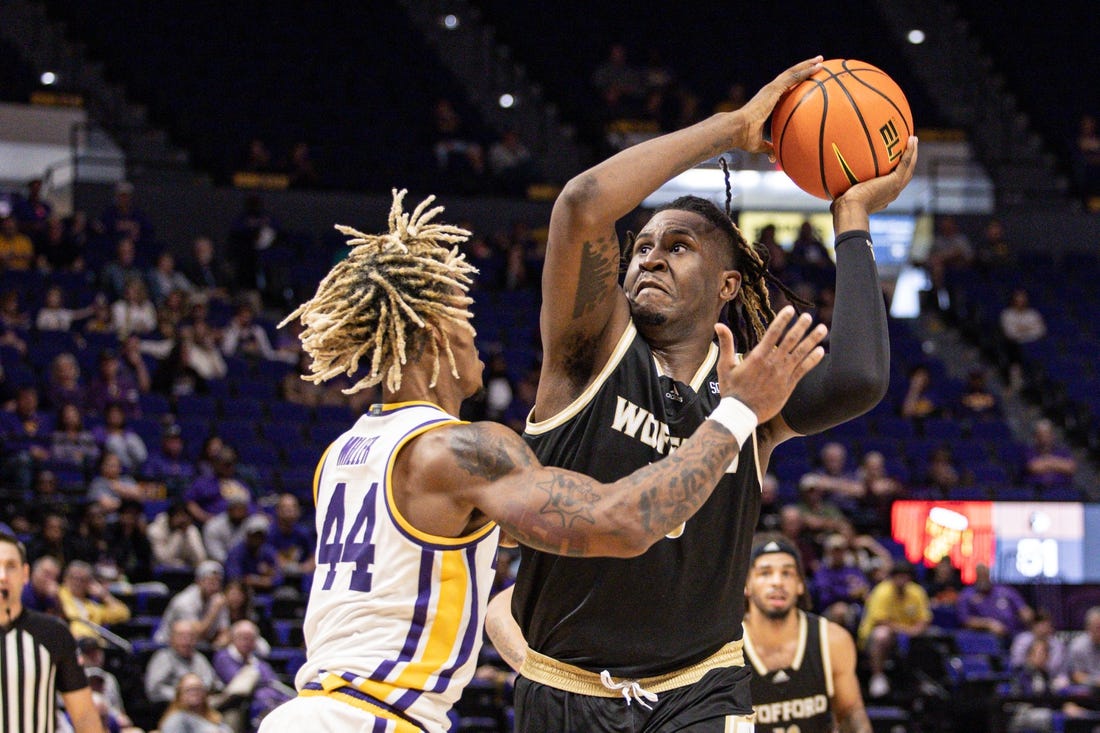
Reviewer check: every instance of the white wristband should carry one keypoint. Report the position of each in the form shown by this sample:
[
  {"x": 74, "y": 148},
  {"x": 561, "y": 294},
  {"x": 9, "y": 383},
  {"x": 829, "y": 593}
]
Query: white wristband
[{"x": 736, "y": 417}]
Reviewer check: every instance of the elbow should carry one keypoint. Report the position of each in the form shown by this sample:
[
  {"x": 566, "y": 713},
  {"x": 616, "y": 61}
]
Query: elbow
[{"x": 579, "y": 199}]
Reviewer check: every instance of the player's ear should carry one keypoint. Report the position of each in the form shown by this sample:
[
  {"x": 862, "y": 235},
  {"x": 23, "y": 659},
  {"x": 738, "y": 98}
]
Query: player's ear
[{"x": 731, "y": 285}]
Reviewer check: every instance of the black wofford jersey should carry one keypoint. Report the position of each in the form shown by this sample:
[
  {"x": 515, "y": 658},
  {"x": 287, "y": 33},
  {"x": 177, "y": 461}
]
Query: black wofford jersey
[
  {"x": 680, "y": 601},
  {"x": 796, "y": 698}
]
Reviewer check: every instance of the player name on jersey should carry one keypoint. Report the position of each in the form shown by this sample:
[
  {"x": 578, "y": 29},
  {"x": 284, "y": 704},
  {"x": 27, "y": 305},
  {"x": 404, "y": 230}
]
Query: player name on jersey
[{"x": 786, "y": 710}]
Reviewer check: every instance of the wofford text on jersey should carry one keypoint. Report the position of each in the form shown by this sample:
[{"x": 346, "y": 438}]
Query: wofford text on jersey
[{"x": 797, "y": 709}]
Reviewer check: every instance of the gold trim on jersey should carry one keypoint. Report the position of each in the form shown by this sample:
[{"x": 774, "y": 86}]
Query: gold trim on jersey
[
  {"x": 803, "y": 636},
  {"x": 704, "y": 368},
  {"x": 317, "y": 472},
  {"x": 757, "y": 660},
  {"x": 561, "y": 676},
  {"x": 574, "y": 407},
  {"x": 392, "y": 504},
  {"x": 403, "y": 726},
  {"x": 826, "y": 659}
]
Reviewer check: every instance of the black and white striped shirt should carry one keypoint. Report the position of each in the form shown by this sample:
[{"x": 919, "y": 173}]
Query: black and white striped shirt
[{"x": 37, "y": 660}]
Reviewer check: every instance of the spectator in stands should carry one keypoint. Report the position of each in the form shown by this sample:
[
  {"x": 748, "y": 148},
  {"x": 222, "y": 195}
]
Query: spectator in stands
[
  {"x": 163, "y": 278},
  {"x": 895, "y": 606},
  {"x": 59, "y": 250},
  {"x": 977, "y": 401},
  {"x": 210, "y": 493},
  {"x": 921, "y": 398},
  {"x": 993, "y": 607},
  {"x": 1083, "y": 654},
  {"x": 134, "y": 312},
  {"x": 618, "y": 82},
  {"x": 792, "y": 526},
  {"x": 207, "y": 271},
  {"x": 86, "y": 602},
  {"x": 54, "y": 540},
  {"x": 811, "y": 258},
  {"x": 12, "y": 313},
  {"x": 942, "y": 474},
  {"x": 880, "y": 490},
  {"x": 168, "y": 464},
  {"x": 241, "y": 653},
  {"x": 294, "y": 543},
  {"x": 1047, "y": 463},
  {"x": 951, "y": 250},
  {"x": 132, "y": 357},
  {"x": 32, "y": 211},
  {"x": 63, "y": 384},
  {"x": 117, "y": 437},
  {"x": 994, "y": 249},
  {"x": 54, "y": 316},
  {"x": 120, "y": 270},
  {"x": 820, "y": 514},
  {"x": 128, "y": 544},
  {"x": 944, "y": 584},
  {"x": 838, "y": 586},
  {"x": 111, "y": 484},
  {"x": 1086, "y": 158},
  {"x": 113, "y": 384},
  {"x": 1041, "y": 629},
  {"x": 16, "y": 248},
  {"x": 458, "y": 154},
  {"x": 104, "y": 685},
  {"x": 41, "y": 591},
  {"x": 92, "y": 531},
  {"x": 241, "y": 605},
  {"x": 100, "y": 320},
  {"x": 253, "y": 559},
  {"x": 258, "y": 158},
  {"x": 252, "y": 232},
  {"x": 124, "y": 219},
  {"x": 70, "y": 442},
  {"x": 25, "y": 432},
  {"x": 301, "y": 169},
  {"x": 834, "y": 479},
  {"x": 209, "y": 455},
  {"x": 228, "y": 527},
  {"x": 175, "y": 376},
  {"x": 244, "y": 336},
  {"x": 203, "y": 603},
  {"x": 511, "y": 163},
  {"x": 191, "y": 709},
  {"x": 175, "y": 539},
  {"x": 1022, "y": 324}
]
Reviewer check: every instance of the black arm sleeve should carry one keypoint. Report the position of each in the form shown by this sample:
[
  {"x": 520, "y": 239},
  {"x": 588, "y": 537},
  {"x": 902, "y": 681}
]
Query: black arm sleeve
[{"x": 854, "y": 375}]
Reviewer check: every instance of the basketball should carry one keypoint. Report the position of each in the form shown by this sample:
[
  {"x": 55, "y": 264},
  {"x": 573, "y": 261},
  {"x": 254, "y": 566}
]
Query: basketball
[{"x": 847, "y": 123}]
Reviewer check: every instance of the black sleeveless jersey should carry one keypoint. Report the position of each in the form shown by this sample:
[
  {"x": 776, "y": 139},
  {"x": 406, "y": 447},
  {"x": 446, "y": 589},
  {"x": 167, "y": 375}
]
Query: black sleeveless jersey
[
  {"x": 680, "y": 601},
  {"x": 799, "y": 696}
]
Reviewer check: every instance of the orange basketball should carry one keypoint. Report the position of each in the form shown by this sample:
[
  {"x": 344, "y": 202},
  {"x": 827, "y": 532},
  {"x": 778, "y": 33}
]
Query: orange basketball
[{"x": 847, "y": 123}]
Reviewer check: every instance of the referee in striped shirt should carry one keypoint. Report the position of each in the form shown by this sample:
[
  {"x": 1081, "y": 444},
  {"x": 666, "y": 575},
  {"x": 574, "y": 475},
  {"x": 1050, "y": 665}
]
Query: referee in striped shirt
[{"x": 37, "y": 658}]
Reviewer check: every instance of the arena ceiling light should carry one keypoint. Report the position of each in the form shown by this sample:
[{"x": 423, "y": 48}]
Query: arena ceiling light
[{"x": 450, "y": 21}]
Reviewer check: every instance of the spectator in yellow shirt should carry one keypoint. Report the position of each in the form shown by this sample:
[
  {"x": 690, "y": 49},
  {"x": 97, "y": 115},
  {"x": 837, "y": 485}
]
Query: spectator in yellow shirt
[
  {"x": 897, "y": 605},
  {"x": 16, "y": 249},
  {"x": 85, "y": 601}
]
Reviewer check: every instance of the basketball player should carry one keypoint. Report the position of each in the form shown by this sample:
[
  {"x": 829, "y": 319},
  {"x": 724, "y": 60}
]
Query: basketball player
[
  {"x": 410, "y": 498},
  {"x": 628, "y": 373},
  {"x": 805, "y": 665},
  {"x": 37, "y": 658}
]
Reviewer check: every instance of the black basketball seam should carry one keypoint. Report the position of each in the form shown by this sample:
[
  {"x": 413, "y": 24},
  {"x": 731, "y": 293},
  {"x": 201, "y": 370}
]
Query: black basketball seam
[
  {"x": 885, "y": 96},
  {"x": 859, "y": 115},
  {"x": 778, "y": 145}
]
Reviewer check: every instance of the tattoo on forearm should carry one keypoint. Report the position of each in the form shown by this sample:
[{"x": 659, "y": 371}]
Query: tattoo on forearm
[
  {"x": 599, "y": 270},
  {"x": 567, "y": 499}
]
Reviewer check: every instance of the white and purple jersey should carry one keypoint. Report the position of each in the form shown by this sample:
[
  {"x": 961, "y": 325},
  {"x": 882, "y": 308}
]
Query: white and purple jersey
[{"x": 395, "y": 615}]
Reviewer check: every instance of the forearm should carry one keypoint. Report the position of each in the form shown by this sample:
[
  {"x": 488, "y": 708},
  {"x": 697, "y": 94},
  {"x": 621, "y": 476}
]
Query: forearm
[
  {"x": 854, "y": 721},
  {"x": 616, "y": 186},
  {"x": 854, "y": 376}
]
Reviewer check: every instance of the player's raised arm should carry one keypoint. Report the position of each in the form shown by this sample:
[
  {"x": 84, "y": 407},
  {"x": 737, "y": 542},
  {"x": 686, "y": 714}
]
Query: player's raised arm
[
  {"x": 583, "y": 308},
  {"x": 490, "y": 468}
]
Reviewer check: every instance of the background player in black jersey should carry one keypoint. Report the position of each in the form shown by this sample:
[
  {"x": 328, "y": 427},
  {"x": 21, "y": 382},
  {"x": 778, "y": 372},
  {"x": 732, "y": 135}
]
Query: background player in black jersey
[
  {"x": 805, "y": 666},
  {"x": 37, "y": 658},
  {"x": 627, "y": 372}
]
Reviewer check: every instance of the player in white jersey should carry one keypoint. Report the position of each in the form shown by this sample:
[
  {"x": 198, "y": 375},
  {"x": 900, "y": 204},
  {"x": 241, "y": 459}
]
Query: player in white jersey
[{"x": 409, "y": 500}]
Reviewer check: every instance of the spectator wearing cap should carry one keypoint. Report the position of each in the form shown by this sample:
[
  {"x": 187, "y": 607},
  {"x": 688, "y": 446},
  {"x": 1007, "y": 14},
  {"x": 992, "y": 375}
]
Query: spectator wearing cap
[
  {"x": 253, "y": 560},
  {"x": 226, "y": 528},
  {"x": 176, "y": 540},
  {"x": 168, "y": 464},
  {"x": 896, "y": 606},
  {"x": 201, "y": 602},
  {"x": 208, "y": 495},
  {"x": 104, "y": 685}
]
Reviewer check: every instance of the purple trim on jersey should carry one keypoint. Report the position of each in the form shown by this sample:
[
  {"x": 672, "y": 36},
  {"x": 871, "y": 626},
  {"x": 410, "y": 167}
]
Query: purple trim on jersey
[
  {"x": 416, "y": 625},
  {"x": 444, "y": 678},
  {"x": 364, "y": 697}
]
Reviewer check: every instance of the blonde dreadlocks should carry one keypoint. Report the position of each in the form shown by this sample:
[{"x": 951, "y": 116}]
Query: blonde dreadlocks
[{"x": 390, "y": 285}]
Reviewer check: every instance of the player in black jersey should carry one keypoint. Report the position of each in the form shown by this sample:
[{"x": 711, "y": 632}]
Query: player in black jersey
[
  {"x": 805, "y": 665},
  {"x": 653, "y": 643},
  {"x": 37, "y": 658}
]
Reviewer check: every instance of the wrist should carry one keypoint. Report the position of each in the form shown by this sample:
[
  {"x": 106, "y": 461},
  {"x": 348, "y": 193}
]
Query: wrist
[{"x": 736, "y": 417}]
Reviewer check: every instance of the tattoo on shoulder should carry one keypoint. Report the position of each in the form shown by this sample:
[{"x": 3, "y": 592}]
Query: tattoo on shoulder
[
  {"x": 482, "y": 454},
  {"x": 599, "y": 266}
]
